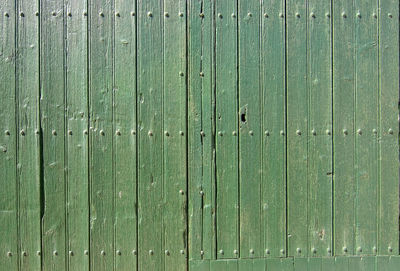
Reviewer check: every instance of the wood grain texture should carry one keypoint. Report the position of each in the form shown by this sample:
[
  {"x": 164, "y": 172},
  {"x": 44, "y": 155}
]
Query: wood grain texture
[
  {"x": 343, "y": 114},
  {"x": 297, "y": 128},
  {"x": 8, "y": 140},
  {"x": 30, "y": 206},
  {"x": 52, "y": 108},
  {"x": 388, "y": 144},
  {"x": 174, "y": 134},
  {"x": 226, "y": 147},
  {"x": 250, "y": 134},
  {"x": 150, "y": 136},
  {"x": 125, "y": 134},
  {"x": 273, "y": 65},
  {"x": 101, "y": 134},
  {"x": 77, "y": 148}
]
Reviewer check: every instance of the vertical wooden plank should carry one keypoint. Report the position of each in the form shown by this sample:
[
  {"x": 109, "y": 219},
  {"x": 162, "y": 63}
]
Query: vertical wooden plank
[
  {"x": 297, "y": 127},
  {"x": 227, "y": 129},
  {"x": 207, "y": 133},
  {"x": 52, "y": 108},
  {"x": 101, "y": 134},
  {"x": 195, "y": 165},
  {"x": 28, "y": 141},
  {"x": 125, "y": 135},
  {"x": 77, "y": 138},
  {"x": 8, "y": 156},
  {"x": 343, "y": 97},
  {"x": 366, "y": 124},
  {"x": 320, "y": 125},
  {"x": 388, "y": 237},
  {"x": 201, "y": 161},
  {"x": 150, "y": 193},
  {"x": 174, "y": 123},
  {"x": 273, "y": 59},
  {"x": 250, "y": 134}
]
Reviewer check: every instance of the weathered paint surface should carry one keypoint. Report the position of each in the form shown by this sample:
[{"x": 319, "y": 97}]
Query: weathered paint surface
[{"x": 199, "y": 135}]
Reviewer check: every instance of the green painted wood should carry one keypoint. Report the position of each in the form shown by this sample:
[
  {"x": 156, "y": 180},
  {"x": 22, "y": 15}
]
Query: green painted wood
[
  {"x": 207, "y": 133},
  {"x": 77, "y": 135},
  {"x": 343, "y": 114},
  {"x": 101, "y": 135},
  {"x": 8, "y": 157},
  {"x": 275, "y": 264},
  {"x": 319, "y": 83},
  {"x": 125, "y": 144},
  {"x": 388, "y": 237},
  {"x": 362, "y": 263},
  {"x": 315, "y": 264},
  {"x": 328, "y": 264},
  {"x": 342, "y": 263},
  {"x": 174, "y": 142},
  {"x": 297, "y": 128},
  {"x": 224, "y": 265},
  {"x": 273, "y": 126},
  {"x": 250, "y": 134},
  {"x": 366, "y": 125},
  {"x": 52, "y": 108},
  {"x": 150, "y": 125},
  {"x": 195, "y": 168},
  {"x": 199, "y": 265},
  {"x": 226, "y": 129},
  {"x": 201, "y": 155},
  {"x": 300, "y": 263},
  {"x": 28, "y": 140}
]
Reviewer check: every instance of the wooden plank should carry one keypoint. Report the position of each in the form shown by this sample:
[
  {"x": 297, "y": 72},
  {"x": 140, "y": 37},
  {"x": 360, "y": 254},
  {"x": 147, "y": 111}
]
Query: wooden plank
[
  {"x": 366, "y": 124},
  {"x": 174, "y": 142},
  {"x": 250, "y": 134},
  {"x": 52, "y": 108},
  {"x": 319, "y": 82},
  {"x": 207, "y": 134},
  {"x": 297, "y": 127},
  {"x": 28, "y": 141},
  {"x": 125, "y": 144},
  {"x": 388, "y": 236},
  {"x": 227, "y": 128},
  {"x": 201, "y": 130},
  {"x": 125, "y": 130},
  {"x": 343, "y": 97},
  {"x": 195, "y": 165},
  {"x": 8, "y": 157},
  {"x": 150, "y": 182},
  {"x": 77, "y": 135},
  {"x": 101, "y": 135},
  {"x": 274, "y": 141}
]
